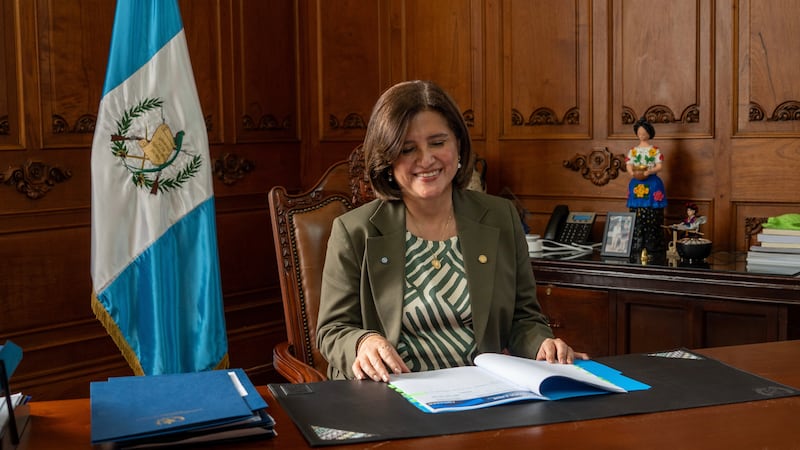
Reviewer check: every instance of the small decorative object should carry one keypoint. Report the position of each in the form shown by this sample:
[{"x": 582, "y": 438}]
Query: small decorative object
[
  {"x": 672, "y": 252},
  {"x": 692, "y": 247},
  {"x": 618, "y": 234},
  {"x": 646, "y": 194}
]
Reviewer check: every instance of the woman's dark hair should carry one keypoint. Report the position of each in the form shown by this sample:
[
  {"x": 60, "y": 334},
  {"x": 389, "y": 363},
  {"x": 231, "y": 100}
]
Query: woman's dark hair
[
  {"x": 692, "y": 206},
  {"x": 389, "y": 124},
  {"x": 642, "y": 122}
]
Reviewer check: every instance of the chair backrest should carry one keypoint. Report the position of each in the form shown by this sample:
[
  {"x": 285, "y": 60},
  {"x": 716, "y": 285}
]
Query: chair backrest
[{"x": 301, "y": 225}]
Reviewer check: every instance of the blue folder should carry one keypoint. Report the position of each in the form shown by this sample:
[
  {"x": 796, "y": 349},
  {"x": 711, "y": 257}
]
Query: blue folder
[
  {"x": 253, "y": 398},
  {"x": 135, "y": 408}
]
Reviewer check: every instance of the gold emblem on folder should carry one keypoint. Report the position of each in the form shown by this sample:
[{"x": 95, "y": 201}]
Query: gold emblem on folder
[{"x": 169, "y": 420}]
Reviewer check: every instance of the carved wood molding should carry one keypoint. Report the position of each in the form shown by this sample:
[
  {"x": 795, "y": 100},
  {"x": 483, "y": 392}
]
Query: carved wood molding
[
  {"x": 545, "y": 116},
  {"x": 34, "y": 178},
  {"x": 266, "y": 122},
  {"x": 355, "y": 121},
  {"x": 231, "y": 168},
  {"x": 600, "y": 166},
  {"x": 752, "y": 226},
  {"x": 662, "y": 114},
  {"x": 84, "y": 125},
  {"x": 351, "y": 121},
  {"x": 469, "y": 118},
  {"x": 786, "y": 111},
  {"x": 5, "y": 128},
  {"x": 360, "y": 185}
]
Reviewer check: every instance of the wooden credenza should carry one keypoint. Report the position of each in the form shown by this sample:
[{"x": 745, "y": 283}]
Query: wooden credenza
[{"x": 609, "y": 306}]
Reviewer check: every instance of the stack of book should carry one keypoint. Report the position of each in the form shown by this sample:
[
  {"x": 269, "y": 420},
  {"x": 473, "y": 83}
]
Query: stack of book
[
  {"x": 778, "y": 252},
  {"x": 177, "y": 410}
]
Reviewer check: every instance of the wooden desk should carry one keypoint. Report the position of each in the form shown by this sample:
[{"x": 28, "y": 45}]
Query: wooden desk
[
  {"x": 605, "y": 306},
  {"x": 763, "y": 424}
]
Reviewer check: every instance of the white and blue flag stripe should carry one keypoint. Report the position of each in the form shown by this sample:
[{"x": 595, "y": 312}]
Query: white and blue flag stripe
[{"x": 155, "y": 266}]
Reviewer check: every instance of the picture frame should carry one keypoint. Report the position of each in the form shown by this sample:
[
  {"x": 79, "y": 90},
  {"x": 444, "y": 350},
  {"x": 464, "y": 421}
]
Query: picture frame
[{"x": 618, "y": 234}]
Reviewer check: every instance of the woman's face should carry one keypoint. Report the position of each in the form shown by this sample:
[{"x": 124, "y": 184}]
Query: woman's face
[
  {"x": 428, "y": 160},
  {"x": 642, "y": 134}
]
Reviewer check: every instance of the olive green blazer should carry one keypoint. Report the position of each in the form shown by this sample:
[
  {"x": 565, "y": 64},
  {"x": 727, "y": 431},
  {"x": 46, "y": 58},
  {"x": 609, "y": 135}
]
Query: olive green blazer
[{"x": 362, "y": 282}]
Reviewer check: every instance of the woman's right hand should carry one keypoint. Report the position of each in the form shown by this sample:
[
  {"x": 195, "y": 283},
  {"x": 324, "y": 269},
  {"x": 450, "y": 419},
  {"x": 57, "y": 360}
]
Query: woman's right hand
[{"x": 373, "y": 356}]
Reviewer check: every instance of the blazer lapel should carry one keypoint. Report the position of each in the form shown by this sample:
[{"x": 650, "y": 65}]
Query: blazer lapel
[
  {"x": 479, "y": 246},
  {"x": 385, "y": 260}
]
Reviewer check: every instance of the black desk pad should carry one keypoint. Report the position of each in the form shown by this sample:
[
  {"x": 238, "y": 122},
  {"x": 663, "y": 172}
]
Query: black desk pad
[{"x": 339, "y": 412}]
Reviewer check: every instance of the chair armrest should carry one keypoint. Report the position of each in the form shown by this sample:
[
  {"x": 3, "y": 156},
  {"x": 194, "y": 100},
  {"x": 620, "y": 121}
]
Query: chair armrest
[{"x": 293, "y": 369}]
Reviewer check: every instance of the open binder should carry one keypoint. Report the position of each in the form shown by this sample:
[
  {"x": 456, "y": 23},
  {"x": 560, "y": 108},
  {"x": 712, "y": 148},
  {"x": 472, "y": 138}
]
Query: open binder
[{"x": 17, "y": 414}]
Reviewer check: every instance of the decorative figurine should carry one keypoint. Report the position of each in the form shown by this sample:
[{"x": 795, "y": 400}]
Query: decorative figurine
[
  {"x": 691, "y": 221},
  {"x": 646, "y": 194},
  {"x": 692, "y": 247}
]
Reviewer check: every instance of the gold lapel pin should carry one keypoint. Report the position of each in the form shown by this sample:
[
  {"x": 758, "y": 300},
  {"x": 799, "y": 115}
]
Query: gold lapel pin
[{"x": 482, "y": 259}]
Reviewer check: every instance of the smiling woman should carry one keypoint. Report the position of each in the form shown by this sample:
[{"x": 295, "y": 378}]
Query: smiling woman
[{"x": 430, "y": 274}]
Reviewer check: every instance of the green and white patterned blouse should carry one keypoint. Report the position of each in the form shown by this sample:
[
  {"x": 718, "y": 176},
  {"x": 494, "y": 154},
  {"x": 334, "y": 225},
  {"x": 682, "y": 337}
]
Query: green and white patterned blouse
[{"x": 437, "y": 327}]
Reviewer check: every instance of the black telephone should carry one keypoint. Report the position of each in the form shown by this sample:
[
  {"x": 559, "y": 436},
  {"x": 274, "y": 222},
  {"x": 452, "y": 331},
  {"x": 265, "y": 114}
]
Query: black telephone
[{"x": 569, "y": 227}]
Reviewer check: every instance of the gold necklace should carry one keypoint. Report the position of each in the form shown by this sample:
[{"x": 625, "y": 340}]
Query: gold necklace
[{"x": 435, "y": 262}]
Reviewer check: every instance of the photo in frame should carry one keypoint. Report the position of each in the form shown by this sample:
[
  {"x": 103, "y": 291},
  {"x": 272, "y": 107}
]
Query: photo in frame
[{"x": 618, "y": 234}]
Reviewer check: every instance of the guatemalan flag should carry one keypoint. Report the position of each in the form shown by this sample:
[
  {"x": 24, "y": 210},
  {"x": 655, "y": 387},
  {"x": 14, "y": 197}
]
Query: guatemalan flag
[{"x": 155, "y": 267}]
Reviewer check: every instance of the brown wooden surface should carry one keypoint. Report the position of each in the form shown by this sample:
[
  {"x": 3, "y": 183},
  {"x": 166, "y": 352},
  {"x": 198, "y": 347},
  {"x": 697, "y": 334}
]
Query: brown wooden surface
[
  {"x": 655, "y": 307},
  {"x": 764, "y": 424}
]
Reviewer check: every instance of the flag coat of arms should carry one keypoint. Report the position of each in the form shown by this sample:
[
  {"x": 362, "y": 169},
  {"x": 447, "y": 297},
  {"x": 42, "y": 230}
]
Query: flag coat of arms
[{"x": 155, "y": 266}]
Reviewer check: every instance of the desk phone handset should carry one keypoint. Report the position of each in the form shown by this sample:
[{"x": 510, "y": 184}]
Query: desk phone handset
[{"x": 569, "y": 227}]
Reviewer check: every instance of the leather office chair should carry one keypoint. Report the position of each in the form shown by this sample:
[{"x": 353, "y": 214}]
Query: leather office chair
[{"x": 301, "y": 225}]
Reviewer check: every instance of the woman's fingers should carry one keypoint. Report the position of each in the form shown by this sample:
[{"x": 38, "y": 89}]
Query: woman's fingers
[{"x": 375, "y": 358}]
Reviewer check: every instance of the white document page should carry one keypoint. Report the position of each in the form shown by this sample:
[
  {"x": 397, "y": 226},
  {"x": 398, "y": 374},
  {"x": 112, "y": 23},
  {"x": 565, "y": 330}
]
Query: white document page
[
  {"x": 530, "y": 373},
  {"x": 458, "y": 388}
]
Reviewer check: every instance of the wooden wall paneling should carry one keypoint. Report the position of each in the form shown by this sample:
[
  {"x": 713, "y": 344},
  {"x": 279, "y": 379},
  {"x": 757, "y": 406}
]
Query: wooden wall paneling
[
  {"x": 10, "y": 109},
  {"x": 546, "y": 69},
  {"x": 767, "y": 96},
  {"x": 202, "y": 28},
  {"x": 544, "y": 104},
  {"x": 346, "y": 67},
  {"x": 765, "y": 169},
  {"x": 662, "y": 71},
  {"x": 444, "y": 43},
  {"x": 245, "y": 258},
  {"x": 251, "y": 346},
  {"x": 765, "y": 154},
  {"x": 253, "y": 307},
  {"x": 265, "y": 71},
  {"x": 348, "y": 62},
  {"x": 74, "y": 38},
  {"x": 46, "y": 287}
]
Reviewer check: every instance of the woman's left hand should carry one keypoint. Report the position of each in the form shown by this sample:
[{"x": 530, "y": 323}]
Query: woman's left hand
[{"x": 555, "y": 350}]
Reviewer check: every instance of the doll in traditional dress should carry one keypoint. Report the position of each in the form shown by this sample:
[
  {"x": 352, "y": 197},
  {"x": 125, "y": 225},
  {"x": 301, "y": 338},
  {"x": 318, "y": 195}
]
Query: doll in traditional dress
[
  {"x": 690, "y": 225},
  {"x": 646, "y": 195}
]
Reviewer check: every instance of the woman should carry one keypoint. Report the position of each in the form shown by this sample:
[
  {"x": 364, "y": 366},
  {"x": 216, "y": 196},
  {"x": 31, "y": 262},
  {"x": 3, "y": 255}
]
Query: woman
[
  {"x": 428, "y": 275},
  {"x": 646, "y": 195}
]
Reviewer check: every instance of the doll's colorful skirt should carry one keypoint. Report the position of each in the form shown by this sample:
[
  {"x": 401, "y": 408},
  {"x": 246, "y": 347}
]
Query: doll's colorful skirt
[{"x": 647, "y": 193}]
